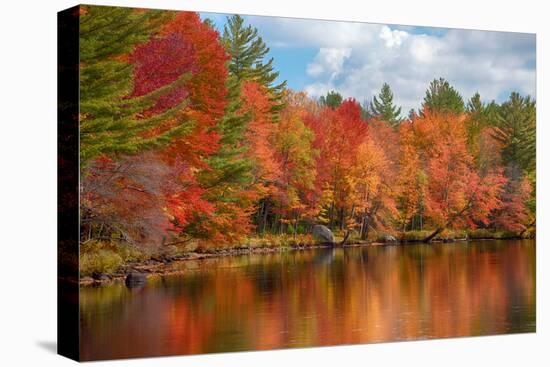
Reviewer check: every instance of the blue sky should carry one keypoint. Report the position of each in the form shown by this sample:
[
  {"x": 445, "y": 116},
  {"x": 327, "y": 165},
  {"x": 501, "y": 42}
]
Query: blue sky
[{"x": 356, "y": 58}]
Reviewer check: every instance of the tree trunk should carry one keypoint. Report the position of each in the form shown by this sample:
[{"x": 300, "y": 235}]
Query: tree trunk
[
  {"x": 331, "y": 216},
  {"x": 264, "y": 220},
  {"x": 346, "y": 236},
  {"x": 260, "y": 216},
  {"x": 435, "y": 233},
  {"x": 296, "y": 225},
  {"x": 449, "y": 222},
  {"x": 526, "y": 228},
  {"x": 364, "y": 227}
]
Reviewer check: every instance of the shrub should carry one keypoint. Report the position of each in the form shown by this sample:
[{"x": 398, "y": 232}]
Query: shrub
[
  {"x": 414, "y": 236},
  {"x": 99, "y": 262},
  {"x": 485, "y": 233}
]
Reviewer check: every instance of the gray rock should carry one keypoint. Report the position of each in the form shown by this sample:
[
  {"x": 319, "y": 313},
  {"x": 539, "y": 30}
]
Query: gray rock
[
  {"x": 322, "y": 234},
  {"x": 389, "y": 238},
  {"x": 135, "y": 279},
  {"x": 103, "y": 278}
]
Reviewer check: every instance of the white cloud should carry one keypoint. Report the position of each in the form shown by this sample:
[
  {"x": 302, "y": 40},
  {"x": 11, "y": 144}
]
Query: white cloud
[
  {"x": 424, "y": 49},
  {"x": 319, "y": 89},
  {"x": 356, "y": 58},
  {"x": 329, "y": 62},
  {"x": 392, "y": 38}
]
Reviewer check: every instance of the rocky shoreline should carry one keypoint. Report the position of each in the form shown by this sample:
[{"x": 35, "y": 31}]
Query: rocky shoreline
[{"x": 165, "y": 265}]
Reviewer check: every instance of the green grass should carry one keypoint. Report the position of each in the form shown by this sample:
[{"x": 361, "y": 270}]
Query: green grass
[
  {"x": 450, "y": 235},
  {"x": 104, "y": 257},
  {"x": 483, "y": 233},
  {"x": 99, "y": 257},
  {"x": 99, "y": 262},
  {"x": 413, "y": 236},
  {"x": 274, "y": 241}
]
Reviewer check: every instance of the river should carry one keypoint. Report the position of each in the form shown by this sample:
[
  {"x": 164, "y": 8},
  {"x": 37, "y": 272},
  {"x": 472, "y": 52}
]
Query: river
[{"x": 316, "y": 297}]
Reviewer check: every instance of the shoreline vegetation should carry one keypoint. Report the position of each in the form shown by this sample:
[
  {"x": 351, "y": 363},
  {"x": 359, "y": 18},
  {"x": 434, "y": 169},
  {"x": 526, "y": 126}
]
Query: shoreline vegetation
[
  {"x": 114, "y": 263},
  {"x": 193, "y": 146}
]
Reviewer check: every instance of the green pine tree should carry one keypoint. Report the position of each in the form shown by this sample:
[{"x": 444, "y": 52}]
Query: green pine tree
[
  {"x": 442, "y": 97},
  {"x": 248, "y": 54},
  {"x": 332, "y": 99},
  {"x": 109, "y": 120},
  {"x": 383, "y": 107},
  {"x": 231, "y": 171},
  {"x": 516, "y": 129},
  {"x": 229, "y": 166},
  {"x": 480, "y": 116}
]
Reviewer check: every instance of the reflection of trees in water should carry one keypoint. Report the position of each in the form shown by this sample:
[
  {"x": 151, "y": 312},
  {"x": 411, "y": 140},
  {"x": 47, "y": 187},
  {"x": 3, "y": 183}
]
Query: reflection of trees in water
[{"x": 319, "y": 297}]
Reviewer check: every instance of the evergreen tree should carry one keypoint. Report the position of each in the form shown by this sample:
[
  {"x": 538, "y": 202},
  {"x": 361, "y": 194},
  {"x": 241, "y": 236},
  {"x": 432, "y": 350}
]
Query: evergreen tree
[
  {"x": 384, "y": 108},
  {"x": 516, "y": 129},
  {"x": 229, "y": 165},
  {"x": 109, "y": 119},
  {"x": 480, "y": 116},
  {"x": 332, "y": 100},
  {"x": 248, "y": 52},
  {"x": 475, "y": 105},
  {"x": 442, "y": 97}
]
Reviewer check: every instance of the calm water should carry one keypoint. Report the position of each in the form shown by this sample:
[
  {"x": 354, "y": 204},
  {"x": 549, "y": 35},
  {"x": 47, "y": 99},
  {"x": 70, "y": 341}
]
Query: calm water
[{"x": 317, "y": 297}]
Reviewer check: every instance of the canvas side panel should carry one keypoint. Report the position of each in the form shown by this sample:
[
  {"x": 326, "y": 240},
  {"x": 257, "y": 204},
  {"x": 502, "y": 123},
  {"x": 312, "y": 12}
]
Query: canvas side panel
[{"x": 68, "y": 228}]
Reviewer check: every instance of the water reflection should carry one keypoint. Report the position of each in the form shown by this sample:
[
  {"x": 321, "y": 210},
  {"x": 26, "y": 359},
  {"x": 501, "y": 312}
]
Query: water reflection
[{"x": 315, "y": 298}]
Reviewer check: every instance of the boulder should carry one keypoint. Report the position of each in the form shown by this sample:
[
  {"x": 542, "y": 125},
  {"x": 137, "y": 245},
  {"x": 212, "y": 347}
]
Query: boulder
[
  {"x": 135, "y": 279},
  {"x": 101, "y": 277},
  {"x": 389, "y": 238},
  {"x": 322, "y": 234}
]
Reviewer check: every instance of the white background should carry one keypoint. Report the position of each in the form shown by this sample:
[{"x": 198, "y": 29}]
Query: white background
[{"x": 28, "y": 183}]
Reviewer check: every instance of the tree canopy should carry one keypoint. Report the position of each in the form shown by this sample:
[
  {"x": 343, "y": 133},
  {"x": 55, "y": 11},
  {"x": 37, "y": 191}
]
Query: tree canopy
[
  {"x": 189, "y": 137},
  {"x": 442, "y": 97}
]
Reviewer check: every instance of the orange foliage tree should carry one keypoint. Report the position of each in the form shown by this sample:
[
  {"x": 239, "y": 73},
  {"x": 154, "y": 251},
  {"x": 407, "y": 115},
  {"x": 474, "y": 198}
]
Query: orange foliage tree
[
  {"x": 457, "y": 195},
  {"x": 338, "y": 136}
]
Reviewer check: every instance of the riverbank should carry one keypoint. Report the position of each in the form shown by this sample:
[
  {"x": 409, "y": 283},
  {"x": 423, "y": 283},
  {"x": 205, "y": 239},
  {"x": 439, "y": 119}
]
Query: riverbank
[
  {"x": 103, "y": 263},
  {"x": 159, "y": 266}
]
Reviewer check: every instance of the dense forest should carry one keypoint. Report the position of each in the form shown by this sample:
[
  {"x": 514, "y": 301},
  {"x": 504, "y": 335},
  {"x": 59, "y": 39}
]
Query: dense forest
[{"x": 187, "y": 137}]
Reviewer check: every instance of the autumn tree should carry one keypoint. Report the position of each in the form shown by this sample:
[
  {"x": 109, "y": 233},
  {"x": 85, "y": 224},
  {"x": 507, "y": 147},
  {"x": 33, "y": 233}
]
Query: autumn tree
[
  {"x": 243, "y": 165},
  {"x": 457, "y": 196},
  {"x": 338, "y": 134},
  {"x": 197, "y": 101},
  {"x": 412, "y": 179},
  {"x": 143, "y": 201},
  {"x": 296, "y": 157},
  {"x": 259, "y": 133},
  {"x": 384, "y": 108},
  {"x": 514, "y": 214},
  {"x": 216, "y": 103},
  {"x": 372, "y": 190},
  {"x": 110, "y": 121}
]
